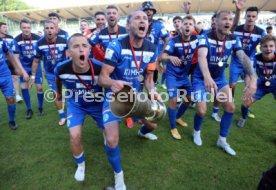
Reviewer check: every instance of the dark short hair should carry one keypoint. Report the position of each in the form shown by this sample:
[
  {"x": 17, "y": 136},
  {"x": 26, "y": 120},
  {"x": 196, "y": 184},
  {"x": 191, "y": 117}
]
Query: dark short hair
[
  {"x": 177, "y": 18},
  {"x": 252, "y": 9},
  {"x": 99, "y": 13},
  {"x": 189, "y": 17},
  {"x": 112, "y": 7},
  {"x": 267, "y": 38},
  {"x": 26, "y": 21},
  {"x": 75, "y": 35},
  {"x": 269, "y": 28},
  {"x": 53, "y": 14},
  {"x": 214, "y": 16},
  {"x": 2, "y": 23}
]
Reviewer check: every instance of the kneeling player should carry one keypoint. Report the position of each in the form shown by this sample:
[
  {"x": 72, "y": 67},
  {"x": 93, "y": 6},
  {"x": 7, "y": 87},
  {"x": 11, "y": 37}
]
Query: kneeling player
[
  {"x": 265, "y": 67},
  {"x": 79, "y": 76}
]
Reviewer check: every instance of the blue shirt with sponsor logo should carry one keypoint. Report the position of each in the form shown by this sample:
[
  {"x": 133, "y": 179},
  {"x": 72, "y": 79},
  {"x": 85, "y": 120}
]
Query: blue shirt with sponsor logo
[
  {"x": 156, "y": 31},
  {"x": 4, "y": 70},
  {"x": 209, "y": 41},
  {"x": 56, "y": 52},
  {"x": 76, "y": 92},
  {"x": 26, "y": 48},
  {"x": 265, "y": 70},
  {"x": 103, "y": 37},
  {"x": 175, "y": 48},
  {"x": 249, "y": 41},
  {"x": 119, "y": 55}
]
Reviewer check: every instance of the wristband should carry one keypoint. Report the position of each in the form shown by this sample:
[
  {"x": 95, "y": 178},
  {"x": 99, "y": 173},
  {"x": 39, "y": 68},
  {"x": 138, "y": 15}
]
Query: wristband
[{"x": 32, "y": 77}]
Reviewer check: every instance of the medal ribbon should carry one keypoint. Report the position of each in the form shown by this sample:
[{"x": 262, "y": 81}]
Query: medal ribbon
[
  {"x": 185, "y": 51},
  {"x": 245, "y": 41},
  {"x": 222, "y": 48},
  {"x": 92, "y": 76},
  {"x": 52, "y": 53},
  {"x": 30, "y": 45},
  {"x": 135, "y": 59},
  {"x": 117, "y": 31}
]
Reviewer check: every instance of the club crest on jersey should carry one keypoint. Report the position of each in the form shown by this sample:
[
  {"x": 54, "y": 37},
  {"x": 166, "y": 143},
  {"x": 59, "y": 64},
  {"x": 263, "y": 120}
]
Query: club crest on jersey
[
  {"x": 228, "y": 44},
  {"x": 61, "y": 48},
  {"x": 254, "y": 38},
  {"x": 193, "y": 45},
  {"x": 146, "y": 59}
]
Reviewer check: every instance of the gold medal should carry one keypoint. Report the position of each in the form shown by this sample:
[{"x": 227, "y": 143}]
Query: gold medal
[
  {"x": 140, "y": 78},
  {"x": 220, "y": 64},
  {"x": 53, "y": 61},
  {"x": 267, "y": 83},
  {"x": 185, "y": 62},
  {"x": 29, "y": 56}
]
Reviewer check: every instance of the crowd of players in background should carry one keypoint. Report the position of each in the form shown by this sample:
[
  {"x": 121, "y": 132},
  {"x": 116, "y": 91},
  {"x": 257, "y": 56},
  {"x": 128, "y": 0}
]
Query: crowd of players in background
[{"x": 111, "y": 56}]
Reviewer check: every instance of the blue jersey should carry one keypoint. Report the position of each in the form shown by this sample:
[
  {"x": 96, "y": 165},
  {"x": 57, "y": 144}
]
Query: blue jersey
[
  {"x": 26, "y": 49},
  {"x": 4, "y": 70},
  {"x": 10, "y": 44},
  {"x": 232, "y": 43},
  {"x": 262, "y": 67},
  {"x": 175, "y": 48},
  {"x": 249, "y": 42},
  {"x": 63, "y": 34},
  {"x": 43, "y": 51},
  {"x": 103, "y": 37},
  {"x": 77, "y": 92},
  {"x": 156, "y": 31},
  {"x": 119, "y": 55}
]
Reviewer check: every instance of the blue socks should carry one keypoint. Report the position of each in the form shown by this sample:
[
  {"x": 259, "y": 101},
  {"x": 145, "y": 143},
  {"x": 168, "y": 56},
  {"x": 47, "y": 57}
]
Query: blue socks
[
  {"x": 225, "y": 124},
  {"x": 113, "y": 156},
  {"x": 215, "y": 109},
  {"x": 244, "y": 112},
  {"x": 181, "y": 110},
  {"x": 79, "y": 159},
  {"x": 197, "y": 122},
  {"x": 144, "y": 130},
  {"x": 163, "y": 78},
  {"x": 26, "y": 97},
  {"x": 11, "y": 110},
  {"x": 172, "y": 117},
  {"x": 61, "y": 114},
  {"x": 40, "y": 97}
]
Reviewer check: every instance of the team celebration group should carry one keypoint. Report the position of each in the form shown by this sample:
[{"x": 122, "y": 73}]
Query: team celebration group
[{"x": 106, "y": 58}]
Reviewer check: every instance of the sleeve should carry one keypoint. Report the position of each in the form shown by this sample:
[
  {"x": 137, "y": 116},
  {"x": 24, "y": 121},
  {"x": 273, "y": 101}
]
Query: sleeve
[
  {"x": 237, "y": 45},
  {"x": 37, "y": 52},
  {"x": 170, "y": 47},
  {"x": 164, "y": 33},
  {"x": 152, "y": 64},
  {"x": 94, "y": 40},
  {"x": 16, "y": 49},
  {"x": 202, "y": 41},
  {"x": 5, "y": 47},
  {"x": 112, "y": 53}
]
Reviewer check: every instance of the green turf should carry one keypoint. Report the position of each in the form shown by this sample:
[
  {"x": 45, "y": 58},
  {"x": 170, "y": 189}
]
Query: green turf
[{"x": 37, "y": 155}]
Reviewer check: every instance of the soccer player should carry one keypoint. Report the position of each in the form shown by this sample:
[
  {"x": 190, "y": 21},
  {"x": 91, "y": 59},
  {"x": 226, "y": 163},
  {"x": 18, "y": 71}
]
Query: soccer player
[
  {"x": 100, "y": 21},
  {"x": 6, "y": 83},
  {"x": 127, "y": 61},
  {"x": 265, "y": 66},
  {"x": 84, "y": 28},
  {"x": 269, "y": 30},
  {"x": 249, "y": 35},
  {"x": 213, "y": 53},
  {"x": 155, "y": 32},
  {"x": 56, "y": 19},
  {"x": 112, "y": 31},
  {"x": 80, "y": 75},
  {"x": 10, "y": 42},
  {"x": 52, "y": 49},
  {"x": 178, "y": 54},
  {"x": 26, "y": 44}
]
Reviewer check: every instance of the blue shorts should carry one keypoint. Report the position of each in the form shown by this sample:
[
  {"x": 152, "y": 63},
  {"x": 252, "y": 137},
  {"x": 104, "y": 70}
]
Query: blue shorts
[
  {"x": 51, "y": 79},
  {"x": 199, "y": 92},
  {"x": 262, "y": 90},
  {"x": 38, "y": 76},
  {"x": 6, "y": 86},
  {"x": 76, "y": 114},
  {"x": 235, "y": 72},
  {"x": 109, "y": 117},
  {"x": 178, "y": 87}
]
